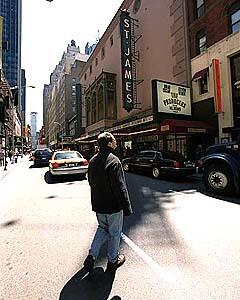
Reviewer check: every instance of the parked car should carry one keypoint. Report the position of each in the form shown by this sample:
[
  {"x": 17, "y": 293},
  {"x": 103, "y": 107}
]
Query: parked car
[
  {"x": 221, "y": 168},
  {"x": 67, "y": 163},
  {"x": 41, "y": 157},
  {"x": 158, "y": 163}
]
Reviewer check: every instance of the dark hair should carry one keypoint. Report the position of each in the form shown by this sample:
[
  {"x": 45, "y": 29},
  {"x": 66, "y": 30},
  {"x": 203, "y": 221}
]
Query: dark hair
[{"x": 104, "y": 138}]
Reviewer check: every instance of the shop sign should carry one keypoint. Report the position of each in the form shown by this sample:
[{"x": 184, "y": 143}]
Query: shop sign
[
  {"x": 217, "y": 85},
  {"x": 173, "y": 98},
  {"x": 133, "y": 123},
  {"x": 164, "y": 128},
  {"x": 126, "y": 61},
  {"x": 196, "y": 130}
]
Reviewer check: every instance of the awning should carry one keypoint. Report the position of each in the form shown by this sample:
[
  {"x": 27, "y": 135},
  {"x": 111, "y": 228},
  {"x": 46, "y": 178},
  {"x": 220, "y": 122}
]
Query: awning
[
  {"x": 183, "y": 126},
  {"x": 200, "y": 74}
]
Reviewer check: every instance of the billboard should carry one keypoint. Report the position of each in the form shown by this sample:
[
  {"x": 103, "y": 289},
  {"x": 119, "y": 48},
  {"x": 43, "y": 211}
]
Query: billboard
[{"x": 172, "y": 98}]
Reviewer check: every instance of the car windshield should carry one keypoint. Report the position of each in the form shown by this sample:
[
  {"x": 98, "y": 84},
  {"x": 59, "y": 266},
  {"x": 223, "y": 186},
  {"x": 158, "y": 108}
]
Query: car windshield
[
  {"x": 43, "y": 152},
  {"x": 67, "y": 155}
]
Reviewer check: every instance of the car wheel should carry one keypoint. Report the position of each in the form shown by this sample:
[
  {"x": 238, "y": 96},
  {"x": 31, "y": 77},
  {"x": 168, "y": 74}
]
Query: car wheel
[
  {"x": 126, "y": 167},
  {"x": 155, "y": 172},
  {"x": 218, "y": 179}
]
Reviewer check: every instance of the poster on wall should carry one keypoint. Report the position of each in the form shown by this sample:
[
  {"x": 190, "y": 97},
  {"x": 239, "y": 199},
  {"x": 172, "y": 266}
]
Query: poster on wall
[{"x": 172, "y": 98}]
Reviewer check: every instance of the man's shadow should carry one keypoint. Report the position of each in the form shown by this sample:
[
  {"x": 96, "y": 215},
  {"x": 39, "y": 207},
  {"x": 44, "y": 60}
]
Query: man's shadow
[{"x": 96, "y": 285}]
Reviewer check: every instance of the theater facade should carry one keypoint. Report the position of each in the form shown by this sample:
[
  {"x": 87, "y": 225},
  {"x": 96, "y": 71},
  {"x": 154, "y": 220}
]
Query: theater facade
[{"x": 136, "y": 83}]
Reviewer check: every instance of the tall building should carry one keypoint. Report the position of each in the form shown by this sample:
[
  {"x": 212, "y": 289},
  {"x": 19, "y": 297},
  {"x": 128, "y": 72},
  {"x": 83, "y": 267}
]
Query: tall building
[
  {"x": 62, "y": 95},
  {"x": 89, "y": 48},
  {"x": 34, "y": 129},
  {"x": 22, "y": 103},
  {"x": 45, "y": 102},
  {"x": 9, "y": 10}
]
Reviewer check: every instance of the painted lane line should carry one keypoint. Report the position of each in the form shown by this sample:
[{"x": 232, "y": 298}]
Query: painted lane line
[{"x": 169, "y": 276}]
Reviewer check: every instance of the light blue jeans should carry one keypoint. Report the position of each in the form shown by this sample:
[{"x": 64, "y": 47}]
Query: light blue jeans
[{"x": 109, "y": 227}]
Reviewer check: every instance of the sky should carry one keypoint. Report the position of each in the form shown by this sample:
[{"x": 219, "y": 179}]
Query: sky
[{"x": 47, "y": 29}]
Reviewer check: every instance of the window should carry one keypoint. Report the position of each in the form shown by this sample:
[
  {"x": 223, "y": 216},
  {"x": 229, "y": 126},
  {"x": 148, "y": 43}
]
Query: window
[
  {"x": 235, "y": 17},
  {"x": 93, "y": 108},
  {"x": 100, "y": 104},
  {"x": 110, "y": 105},
  {"x": 200, "y": 8},
  {"x": 96, "y": 61},
  {"x": 103, "y": 52},
  {"x": 203, "y": 84},
  {"x": 149, "y": 155},
  {"x": 90, "y": 69},
  {"x": 111, "y": 41},
  {"x": 88, "y": 100},
  {"x": 201, "y": 42},
  {"x": 85, "y": 76},
  {"x": 136, "y": 6}
]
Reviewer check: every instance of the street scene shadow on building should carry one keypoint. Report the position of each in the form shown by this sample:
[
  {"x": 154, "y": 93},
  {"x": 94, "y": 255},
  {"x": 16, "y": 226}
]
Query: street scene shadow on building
[
  {"x": 151, "y": 202},
  {"x": 151, "y": 199},
  {"x": 96, "y": 285},
  {"x": 10, "y": 223},
  {"x": 62, "y": 178},
  {"x": 36, "y": 167}
]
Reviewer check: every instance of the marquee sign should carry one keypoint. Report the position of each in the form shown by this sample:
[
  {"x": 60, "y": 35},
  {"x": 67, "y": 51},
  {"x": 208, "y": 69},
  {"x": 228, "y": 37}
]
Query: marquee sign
[
  {"x": 173, "y": 98},
  {"x": 127, "y": 61}
]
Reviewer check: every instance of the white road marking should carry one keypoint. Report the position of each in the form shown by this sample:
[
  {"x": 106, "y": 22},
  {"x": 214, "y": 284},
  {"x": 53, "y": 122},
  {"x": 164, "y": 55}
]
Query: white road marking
[{"x": 169, "y": 276}]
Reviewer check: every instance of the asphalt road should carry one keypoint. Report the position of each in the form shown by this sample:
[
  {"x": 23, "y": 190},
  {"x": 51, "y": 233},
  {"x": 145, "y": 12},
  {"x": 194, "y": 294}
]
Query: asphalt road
[{"x": 179, "y": 244}]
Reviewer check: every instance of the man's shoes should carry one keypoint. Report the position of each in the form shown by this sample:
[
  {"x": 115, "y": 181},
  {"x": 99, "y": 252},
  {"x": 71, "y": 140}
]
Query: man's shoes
[
  {"x": 118, "y": 263},
  {"x": 89, "y": 263}
]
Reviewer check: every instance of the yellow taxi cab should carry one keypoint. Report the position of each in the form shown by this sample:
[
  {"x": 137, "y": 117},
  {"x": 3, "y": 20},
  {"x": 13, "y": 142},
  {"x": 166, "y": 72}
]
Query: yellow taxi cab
[{"x": 67, "y": 163}]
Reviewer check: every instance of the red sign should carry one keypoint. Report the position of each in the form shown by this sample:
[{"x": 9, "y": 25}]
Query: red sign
[{"x": 217, "y": 85}]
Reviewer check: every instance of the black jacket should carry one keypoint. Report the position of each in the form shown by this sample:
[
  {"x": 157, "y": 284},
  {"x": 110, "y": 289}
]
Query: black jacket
[{"x": 108, "y": 186}]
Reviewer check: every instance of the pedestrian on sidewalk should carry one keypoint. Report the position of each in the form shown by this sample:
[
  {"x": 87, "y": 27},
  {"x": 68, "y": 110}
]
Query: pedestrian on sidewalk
[
  {"x": 1, "y": 158},
  {"x": 110, "y": 201}
]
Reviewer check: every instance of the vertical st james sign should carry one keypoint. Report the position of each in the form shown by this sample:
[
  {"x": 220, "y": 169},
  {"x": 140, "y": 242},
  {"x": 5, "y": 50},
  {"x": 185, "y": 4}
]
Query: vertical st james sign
[{"x": 126, "y": 61}]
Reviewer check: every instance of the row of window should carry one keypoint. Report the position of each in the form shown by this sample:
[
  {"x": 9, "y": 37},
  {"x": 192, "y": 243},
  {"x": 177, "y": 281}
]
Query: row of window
[
  {"x": 234, "y": 14},
  {"x": 234, "y": 18},
  {"x": 97, "y": 110},
  {"x": 102, "y": 57}
]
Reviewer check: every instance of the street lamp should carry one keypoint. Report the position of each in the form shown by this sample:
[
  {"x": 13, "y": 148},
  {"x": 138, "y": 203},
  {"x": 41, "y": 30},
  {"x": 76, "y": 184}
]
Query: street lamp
[{"x": 57, "y": 123}]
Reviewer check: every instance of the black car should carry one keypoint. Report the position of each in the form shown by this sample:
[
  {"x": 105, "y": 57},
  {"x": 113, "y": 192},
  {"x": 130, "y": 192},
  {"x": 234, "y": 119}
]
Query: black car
[
  {"x": 158, "y": 163},
  {"x": 41, "y": 157}
]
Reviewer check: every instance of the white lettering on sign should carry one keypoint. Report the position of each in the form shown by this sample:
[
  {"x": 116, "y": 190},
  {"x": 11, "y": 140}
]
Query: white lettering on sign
[
  {"x": 126, "y": 61},
  {"x": 127, "y": 23},
  {"x": 128, "y": 74}
]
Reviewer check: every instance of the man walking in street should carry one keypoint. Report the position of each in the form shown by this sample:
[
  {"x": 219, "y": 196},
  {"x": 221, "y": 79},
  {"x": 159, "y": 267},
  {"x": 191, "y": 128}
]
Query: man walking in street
[{"x": 110, "y": 201}]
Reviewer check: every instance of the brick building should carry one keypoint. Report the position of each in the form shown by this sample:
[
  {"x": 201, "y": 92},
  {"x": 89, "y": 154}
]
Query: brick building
[{"x": 214, "y": 33}]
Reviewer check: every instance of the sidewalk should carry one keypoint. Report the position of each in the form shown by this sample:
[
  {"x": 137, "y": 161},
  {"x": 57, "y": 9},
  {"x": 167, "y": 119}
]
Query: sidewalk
[{"x": 11, "y": 166}]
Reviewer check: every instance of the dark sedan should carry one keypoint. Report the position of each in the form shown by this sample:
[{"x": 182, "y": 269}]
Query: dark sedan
[
  {"x": 159, "y": 162},
  {"x": 41, "y": 157}
]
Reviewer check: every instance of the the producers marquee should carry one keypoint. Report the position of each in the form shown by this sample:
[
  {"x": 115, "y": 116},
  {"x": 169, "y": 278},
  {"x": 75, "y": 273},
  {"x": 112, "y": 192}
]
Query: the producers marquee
[{"x": 173, "y": 98}]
